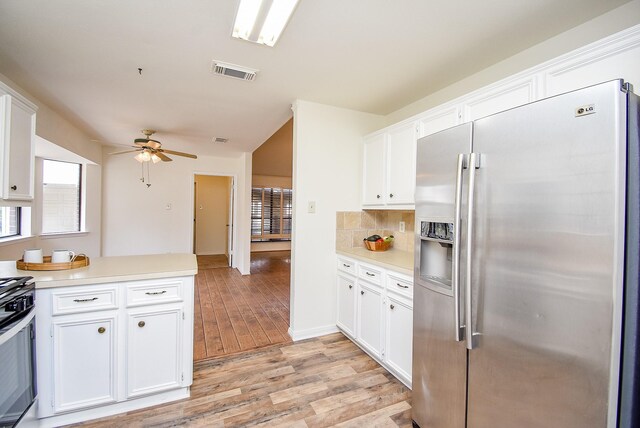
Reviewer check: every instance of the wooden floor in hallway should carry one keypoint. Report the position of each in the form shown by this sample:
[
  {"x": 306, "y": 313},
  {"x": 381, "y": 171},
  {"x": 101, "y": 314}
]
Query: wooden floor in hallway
[
  {"x": 321, "y": 382},
  {"x": 235, "y": 313}
]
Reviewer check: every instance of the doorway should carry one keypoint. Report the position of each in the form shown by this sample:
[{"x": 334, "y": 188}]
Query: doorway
[{"x": 213, "y": 237}]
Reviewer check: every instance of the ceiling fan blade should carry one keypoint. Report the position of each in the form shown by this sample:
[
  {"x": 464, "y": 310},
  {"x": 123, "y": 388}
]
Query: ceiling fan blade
[
  {"x": 143, "y": 142},
  {"x": 124, "y": 151},
  {"x": 172, "y": 152},
  {"x": 162, "y": 156}
]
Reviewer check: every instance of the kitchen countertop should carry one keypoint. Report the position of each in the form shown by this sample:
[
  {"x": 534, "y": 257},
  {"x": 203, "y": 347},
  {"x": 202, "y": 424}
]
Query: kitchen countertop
[
  {"x": 395, "y": 260},
  {"x": 110, "y": 269}
]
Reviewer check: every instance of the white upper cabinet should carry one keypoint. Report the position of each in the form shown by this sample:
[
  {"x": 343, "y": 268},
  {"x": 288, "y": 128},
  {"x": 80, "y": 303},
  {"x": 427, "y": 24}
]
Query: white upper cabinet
[
  {"x": 17, "y": 132},
  {"x": 439, "y": 120},
  {"x": 499, "y": 98},
  {"x": 390, "y": 168},
  {"x": 374, "y": 169},
  {"x": 401, "y": 165}
]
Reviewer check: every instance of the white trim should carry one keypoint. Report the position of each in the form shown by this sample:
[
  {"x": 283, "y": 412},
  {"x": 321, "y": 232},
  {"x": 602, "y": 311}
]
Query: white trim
[
  {"x": 15, "y": 239},
  {"x": 63, "y": 234},
  {"x": 18, "y": 96},
  {"x": 312, "y": 332}
]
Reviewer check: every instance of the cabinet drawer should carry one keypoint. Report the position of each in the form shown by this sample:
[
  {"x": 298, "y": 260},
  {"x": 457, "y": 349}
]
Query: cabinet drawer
[
  {"x": 149, "y": 293},
  {"x": 84, "y": 300},
  {"x": 346, "y": 265},
  {"x": 400, "y": 284},
  {"x": 371, "y": 274}
]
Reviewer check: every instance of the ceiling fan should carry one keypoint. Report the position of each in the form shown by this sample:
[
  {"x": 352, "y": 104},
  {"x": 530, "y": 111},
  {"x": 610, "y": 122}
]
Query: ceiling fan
[{"x": 151, "y": 150}]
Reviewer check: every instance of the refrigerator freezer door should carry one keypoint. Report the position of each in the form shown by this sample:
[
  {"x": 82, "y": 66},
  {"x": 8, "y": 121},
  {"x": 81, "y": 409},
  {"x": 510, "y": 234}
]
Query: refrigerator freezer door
[
  {"x": 547, "y": 262},
  {"x": 439, "y": 361}
]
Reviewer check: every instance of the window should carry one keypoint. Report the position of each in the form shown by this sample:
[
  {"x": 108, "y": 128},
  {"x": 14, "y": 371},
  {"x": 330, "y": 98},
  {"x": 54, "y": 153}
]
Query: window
[
  {"x": 9, "y": 221},
  {"x": 60, "y": 196},
  {"x": 271, "y": 210}
]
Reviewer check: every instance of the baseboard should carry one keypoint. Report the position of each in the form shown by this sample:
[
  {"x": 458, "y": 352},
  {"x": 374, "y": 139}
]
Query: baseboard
[{"x": 312, "y": 332}]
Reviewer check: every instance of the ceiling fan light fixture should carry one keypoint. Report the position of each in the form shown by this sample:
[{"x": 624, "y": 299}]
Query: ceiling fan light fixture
[
  {"x": 139, "y": 157},
  {"x": 155, "y": 158},
  {"x": 261, "y": 21},
  {"x": 143, "y": 156}
]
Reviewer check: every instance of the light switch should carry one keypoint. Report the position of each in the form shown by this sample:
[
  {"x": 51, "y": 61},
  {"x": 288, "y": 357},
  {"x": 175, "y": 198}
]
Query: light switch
[
  {"x": 401, "y": 227},
  {"x": 312, "y": 207}
]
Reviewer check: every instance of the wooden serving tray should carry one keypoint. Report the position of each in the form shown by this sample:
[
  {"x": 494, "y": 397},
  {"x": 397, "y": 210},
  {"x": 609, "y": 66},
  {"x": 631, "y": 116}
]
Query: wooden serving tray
[{"x": 80, "y": 261}]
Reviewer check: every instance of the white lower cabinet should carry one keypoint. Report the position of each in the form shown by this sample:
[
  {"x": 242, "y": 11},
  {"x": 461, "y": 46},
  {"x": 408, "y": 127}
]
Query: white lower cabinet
[
  {"x": 84, "y": 361},
  {"x": 347, "y": 305},
  {"x": 154, "y": 340},
  {"x": 399, "y": 346},
  {"x": 370, "y": 317},
  {"x": 378, "y": 303},
  {"x": 101, "y": 347}
]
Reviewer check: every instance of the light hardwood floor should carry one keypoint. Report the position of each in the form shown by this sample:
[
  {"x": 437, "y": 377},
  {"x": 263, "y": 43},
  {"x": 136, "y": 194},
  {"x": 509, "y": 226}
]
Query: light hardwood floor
[
  {"x": 236, "y": 313},
  {"x": 327, "y": 381}
]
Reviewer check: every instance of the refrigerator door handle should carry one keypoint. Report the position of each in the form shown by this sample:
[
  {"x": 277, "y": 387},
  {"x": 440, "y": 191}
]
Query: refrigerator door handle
[
  {"x": 455, "y": 274},
  {"x": 469, "y": 330}
]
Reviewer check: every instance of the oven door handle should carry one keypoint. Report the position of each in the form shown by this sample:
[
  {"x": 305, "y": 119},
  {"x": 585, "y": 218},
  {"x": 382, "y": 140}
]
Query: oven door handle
[{"x": 16, "y": 328}]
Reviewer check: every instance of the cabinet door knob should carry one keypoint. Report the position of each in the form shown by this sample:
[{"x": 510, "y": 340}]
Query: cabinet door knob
[
  {"x": 391, "y": 306},
  {"x": 14, "y": 187},
  {"x": 391, "y": 195},
  {"x": 141, "y": 324},
  {"x": 350, "y": 286},
  {"x": 378, "y": 196},
  {"x": 361, "y": 292},
  {"x": 101, "y": 330}
]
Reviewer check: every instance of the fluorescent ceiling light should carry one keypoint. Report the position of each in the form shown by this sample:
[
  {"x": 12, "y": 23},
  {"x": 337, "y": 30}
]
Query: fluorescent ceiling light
[
  {"x": 262, "y": 21},
  {"x": 246, "y": 18}
]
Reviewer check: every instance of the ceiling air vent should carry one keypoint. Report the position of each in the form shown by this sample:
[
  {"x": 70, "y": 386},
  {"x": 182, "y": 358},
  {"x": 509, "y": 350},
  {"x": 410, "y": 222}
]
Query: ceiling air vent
[
  {"x": 232, "y": 70},
  {"x": 219, "y": 140}
]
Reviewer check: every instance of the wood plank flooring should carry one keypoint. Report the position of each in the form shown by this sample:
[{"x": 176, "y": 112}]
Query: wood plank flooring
[
  {"x": 235, "y": 313},
  {"x": 321, "y": 382}
]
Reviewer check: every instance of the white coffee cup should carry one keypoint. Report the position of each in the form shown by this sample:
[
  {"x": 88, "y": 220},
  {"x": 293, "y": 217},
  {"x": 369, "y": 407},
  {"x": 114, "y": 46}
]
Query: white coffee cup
[
  {"x": 62, "y": 256},
  {"x": 33, "y": 255}
]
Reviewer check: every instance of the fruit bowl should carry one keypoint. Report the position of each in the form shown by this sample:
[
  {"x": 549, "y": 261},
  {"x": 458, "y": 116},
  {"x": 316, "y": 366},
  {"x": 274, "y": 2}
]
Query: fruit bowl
[{"x": 378, "y": 245}]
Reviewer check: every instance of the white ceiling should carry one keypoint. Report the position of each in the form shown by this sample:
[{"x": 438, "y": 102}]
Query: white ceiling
[{"x": 82, "y": 56}]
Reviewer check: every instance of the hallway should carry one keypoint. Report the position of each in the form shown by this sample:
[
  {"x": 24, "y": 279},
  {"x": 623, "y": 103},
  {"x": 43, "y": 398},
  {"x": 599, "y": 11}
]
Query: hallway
[{"x": 236, "y": 313}]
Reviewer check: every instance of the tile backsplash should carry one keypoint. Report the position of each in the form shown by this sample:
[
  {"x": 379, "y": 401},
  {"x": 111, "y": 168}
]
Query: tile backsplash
[{"x": 353, "y": 226}]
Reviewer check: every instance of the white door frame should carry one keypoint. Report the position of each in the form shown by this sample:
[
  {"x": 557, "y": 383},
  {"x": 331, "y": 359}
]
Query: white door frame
[{"x": 234, "y": 219}]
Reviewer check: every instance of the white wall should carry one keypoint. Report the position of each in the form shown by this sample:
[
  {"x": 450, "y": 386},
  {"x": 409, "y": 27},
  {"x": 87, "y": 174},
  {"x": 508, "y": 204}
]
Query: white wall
[
  {"x": 56, "y": 129},
  {"x": 212, "y": 214},
  {"x": 136, "y": 219},
  {"x": 598, "y": 28},
  {"x": 327, "y": 168}
]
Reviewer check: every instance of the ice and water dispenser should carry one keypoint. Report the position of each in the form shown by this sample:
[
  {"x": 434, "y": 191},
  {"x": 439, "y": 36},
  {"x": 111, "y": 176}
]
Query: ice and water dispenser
[{"x": 436, "y": 248}]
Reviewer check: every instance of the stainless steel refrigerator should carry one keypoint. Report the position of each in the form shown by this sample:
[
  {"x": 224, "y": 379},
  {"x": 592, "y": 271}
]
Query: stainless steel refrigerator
[{"x": 526, "y": 269}]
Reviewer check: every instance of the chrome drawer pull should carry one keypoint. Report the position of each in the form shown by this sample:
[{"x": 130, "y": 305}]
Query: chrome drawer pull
[
  {"x": 155, "y": 293},
  {"x": 370, "y": 274},
  {"x": 85, "y": 300},
  {"x": 346, "y": 265},
  {"x": 350, "y": 286},
  {"x": 401, "y": 286}
]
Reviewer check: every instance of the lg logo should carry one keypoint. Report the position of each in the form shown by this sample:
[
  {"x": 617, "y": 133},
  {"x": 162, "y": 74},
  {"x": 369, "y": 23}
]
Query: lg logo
[{"x": 585, "y": 110}]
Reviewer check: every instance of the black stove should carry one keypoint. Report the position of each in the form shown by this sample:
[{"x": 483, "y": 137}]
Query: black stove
[{"x": 16, "y": 298}]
